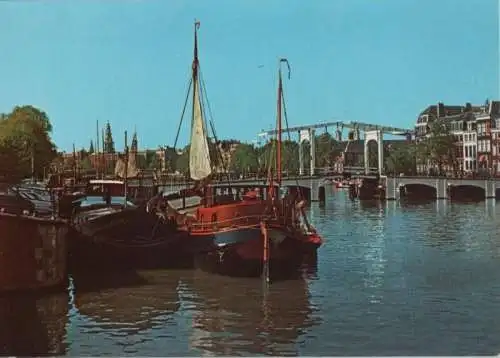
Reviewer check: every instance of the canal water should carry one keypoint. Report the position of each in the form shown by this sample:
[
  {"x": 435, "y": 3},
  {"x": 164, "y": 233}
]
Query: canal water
[{"x": 392, "y": 279}]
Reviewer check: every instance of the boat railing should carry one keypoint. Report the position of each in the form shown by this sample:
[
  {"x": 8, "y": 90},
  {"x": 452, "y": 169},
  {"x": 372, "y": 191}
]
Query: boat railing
[
  {"x": 278, "y": 217},
  {"x": 239, "y": 221}
]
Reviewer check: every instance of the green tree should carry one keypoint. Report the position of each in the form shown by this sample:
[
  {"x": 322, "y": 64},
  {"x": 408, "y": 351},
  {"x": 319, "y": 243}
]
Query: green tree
[
  {"x": 83, "y": 153},
  {"x": 91, "y": 148},
  {"x": 109, "y": 144},
  {"x": 289, "y": 156},
  {"x": 245, "y": 159},
  {"x": 182, "y": 163},
  {"x": 401, "y": 158},
  {"x": 438, "y": 148},
  {"x": 86, "y": 164},
  {"x": 31, "y": 113},
  {"x": 24, "y": 135},
  {"x": 328, "y": 149},
  {"x": 171, "y": 157},
  {"x": 152, "y": 160}
]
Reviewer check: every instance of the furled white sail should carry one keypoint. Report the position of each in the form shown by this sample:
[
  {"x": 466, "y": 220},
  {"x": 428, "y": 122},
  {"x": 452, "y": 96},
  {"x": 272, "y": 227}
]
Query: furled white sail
[
  {"x": 130, "y": 170},
  {"x": 199, "y": 154}
]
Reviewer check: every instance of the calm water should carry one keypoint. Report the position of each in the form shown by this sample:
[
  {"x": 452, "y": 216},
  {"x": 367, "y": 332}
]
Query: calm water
[{"x": 392, "y": 279}]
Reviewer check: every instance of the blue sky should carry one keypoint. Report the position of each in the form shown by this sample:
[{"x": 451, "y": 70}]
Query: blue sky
[{"x": 128, "y": 62}]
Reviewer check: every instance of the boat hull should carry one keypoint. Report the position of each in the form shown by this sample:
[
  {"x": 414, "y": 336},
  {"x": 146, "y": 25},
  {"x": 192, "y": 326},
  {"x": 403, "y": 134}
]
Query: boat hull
[
  {"x": 33, "y": 252},
  {"x": 128, "y": 239},
  {"x": 240, "y": 252}
]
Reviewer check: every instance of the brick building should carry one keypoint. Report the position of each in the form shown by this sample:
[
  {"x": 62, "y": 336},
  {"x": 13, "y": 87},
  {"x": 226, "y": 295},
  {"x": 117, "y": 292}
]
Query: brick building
[{"x": 477, "y": 133}]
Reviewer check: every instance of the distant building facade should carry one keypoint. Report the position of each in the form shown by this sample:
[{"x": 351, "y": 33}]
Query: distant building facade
[{"x": 476, "y": 130}]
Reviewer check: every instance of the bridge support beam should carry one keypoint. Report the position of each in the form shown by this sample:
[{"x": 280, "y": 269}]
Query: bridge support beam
[
  {"x": 312, "y": 141},
  {"x": 303, "y": 136},
  {"x": 490, "y": 190},
  {"x": 441, "y": 189},
  {"x": 377, "y": 136}
]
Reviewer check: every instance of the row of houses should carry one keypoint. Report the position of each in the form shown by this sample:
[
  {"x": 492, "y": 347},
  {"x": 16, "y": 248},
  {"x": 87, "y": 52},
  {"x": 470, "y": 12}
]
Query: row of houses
[{"x": 476, "y": 130}]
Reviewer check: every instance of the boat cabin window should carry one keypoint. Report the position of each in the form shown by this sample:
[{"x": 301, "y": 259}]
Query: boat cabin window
[{"x": 99, "y": 189}]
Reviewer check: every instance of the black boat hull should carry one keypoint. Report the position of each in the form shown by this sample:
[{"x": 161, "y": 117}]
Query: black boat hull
[
  {"x": 127, "y": 239},
  {"x": 241, "y": 253}
]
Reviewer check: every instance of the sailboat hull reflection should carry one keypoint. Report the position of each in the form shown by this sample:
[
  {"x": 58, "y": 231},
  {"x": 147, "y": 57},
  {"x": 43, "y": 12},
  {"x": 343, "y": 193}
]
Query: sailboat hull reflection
[{"x": 236, "y": 317}]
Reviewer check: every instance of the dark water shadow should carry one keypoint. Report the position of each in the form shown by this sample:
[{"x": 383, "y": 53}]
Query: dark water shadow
[
  {"x": 33, "y": 325},
  {"x": 239, "y": 317},
  {"x": 134, "y": 301},
  {"x": 94, "y": 282},
  {"x": 466, "y": 194},
  {"x": 416, "y": 202}
]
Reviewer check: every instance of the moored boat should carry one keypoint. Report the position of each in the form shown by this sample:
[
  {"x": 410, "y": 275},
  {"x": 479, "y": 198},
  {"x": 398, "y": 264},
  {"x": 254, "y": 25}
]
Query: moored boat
[
  {"x": 113, "y": 233},
  {"x": 33, "y": 244},
  {"x": 261, "y": 230}
]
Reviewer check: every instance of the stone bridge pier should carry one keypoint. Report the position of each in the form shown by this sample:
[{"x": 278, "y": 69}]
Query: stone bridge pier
[{"x": 440, "y": 185}]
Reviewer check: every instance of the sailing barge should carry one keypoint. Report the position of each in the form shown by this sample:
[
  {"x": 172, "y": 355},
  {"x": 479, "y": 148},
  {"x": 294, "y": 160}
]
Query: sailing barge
[
  {"x": 33, "y": 244},
  {"x": 261, "y": 230},
  {"x": 113, "y": 233}
]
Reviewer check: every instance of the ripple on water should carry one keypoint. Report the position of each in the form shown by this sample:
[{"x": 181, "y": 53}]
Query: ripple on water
[{"x": 392, "y": 279}]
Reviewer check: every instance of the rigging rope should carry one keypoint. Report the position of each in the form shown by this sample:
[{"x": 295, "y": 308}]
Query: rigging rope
[
  {"x": 212, "y": 125},
  {"x": 182, "y": 113},
  {"x": 285, "y": 115}
]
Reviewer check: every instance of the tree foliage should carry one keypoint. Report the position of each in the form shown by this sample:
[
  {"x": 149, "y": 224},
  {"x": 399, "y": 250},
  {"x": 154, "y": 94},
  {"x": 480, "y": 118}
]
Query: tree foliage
[
  {"x": 182, "y": 162},
  {"x": 245, "y": 159},
  {"x": 289, "y": 156},
  {"x": 328, "y": 149},
  {"x": 439, "y": 147},
  {"x": 401, "y": 158},
  {"x": 25, "y": 136}
]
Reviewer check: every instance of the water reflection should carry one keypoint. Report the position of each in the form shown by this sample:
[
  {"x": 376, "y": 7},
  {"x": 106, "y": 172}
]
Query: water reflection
[
  {"x": 33, "y": 325},
  {"x": 236, "y": 317},
  {"x": 126, "y": 303}
]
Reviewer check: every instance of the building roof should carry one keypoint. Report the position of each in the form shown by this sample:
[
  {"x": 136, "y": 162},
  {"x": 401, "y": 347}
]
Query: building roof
[
  {"x": 455, "y": 112},
  {"x": 448, "y": 110}
]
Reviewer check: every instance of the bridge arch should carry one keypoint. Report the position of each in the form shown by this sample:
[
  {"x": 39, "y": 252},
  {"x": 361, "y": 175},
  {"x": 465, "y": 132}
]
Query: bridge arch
[
  {"x": 467, "y": 191},
  {"x": 418, "y": 190}
]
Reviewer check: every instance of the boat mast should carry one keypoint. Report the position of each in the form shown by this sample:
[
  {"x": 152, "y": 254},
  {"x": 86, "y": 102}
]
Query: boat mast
[
  {"x": 278, "y": 149},
  {"x": 97, "y": 155},
  {"x": 195, "y": 67},
  {"x": 125, "y": 179},
  {"x": 103, "y": 158},
  {"x": 74, "y": 164},
  {"x": 279, "y": 126}
]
